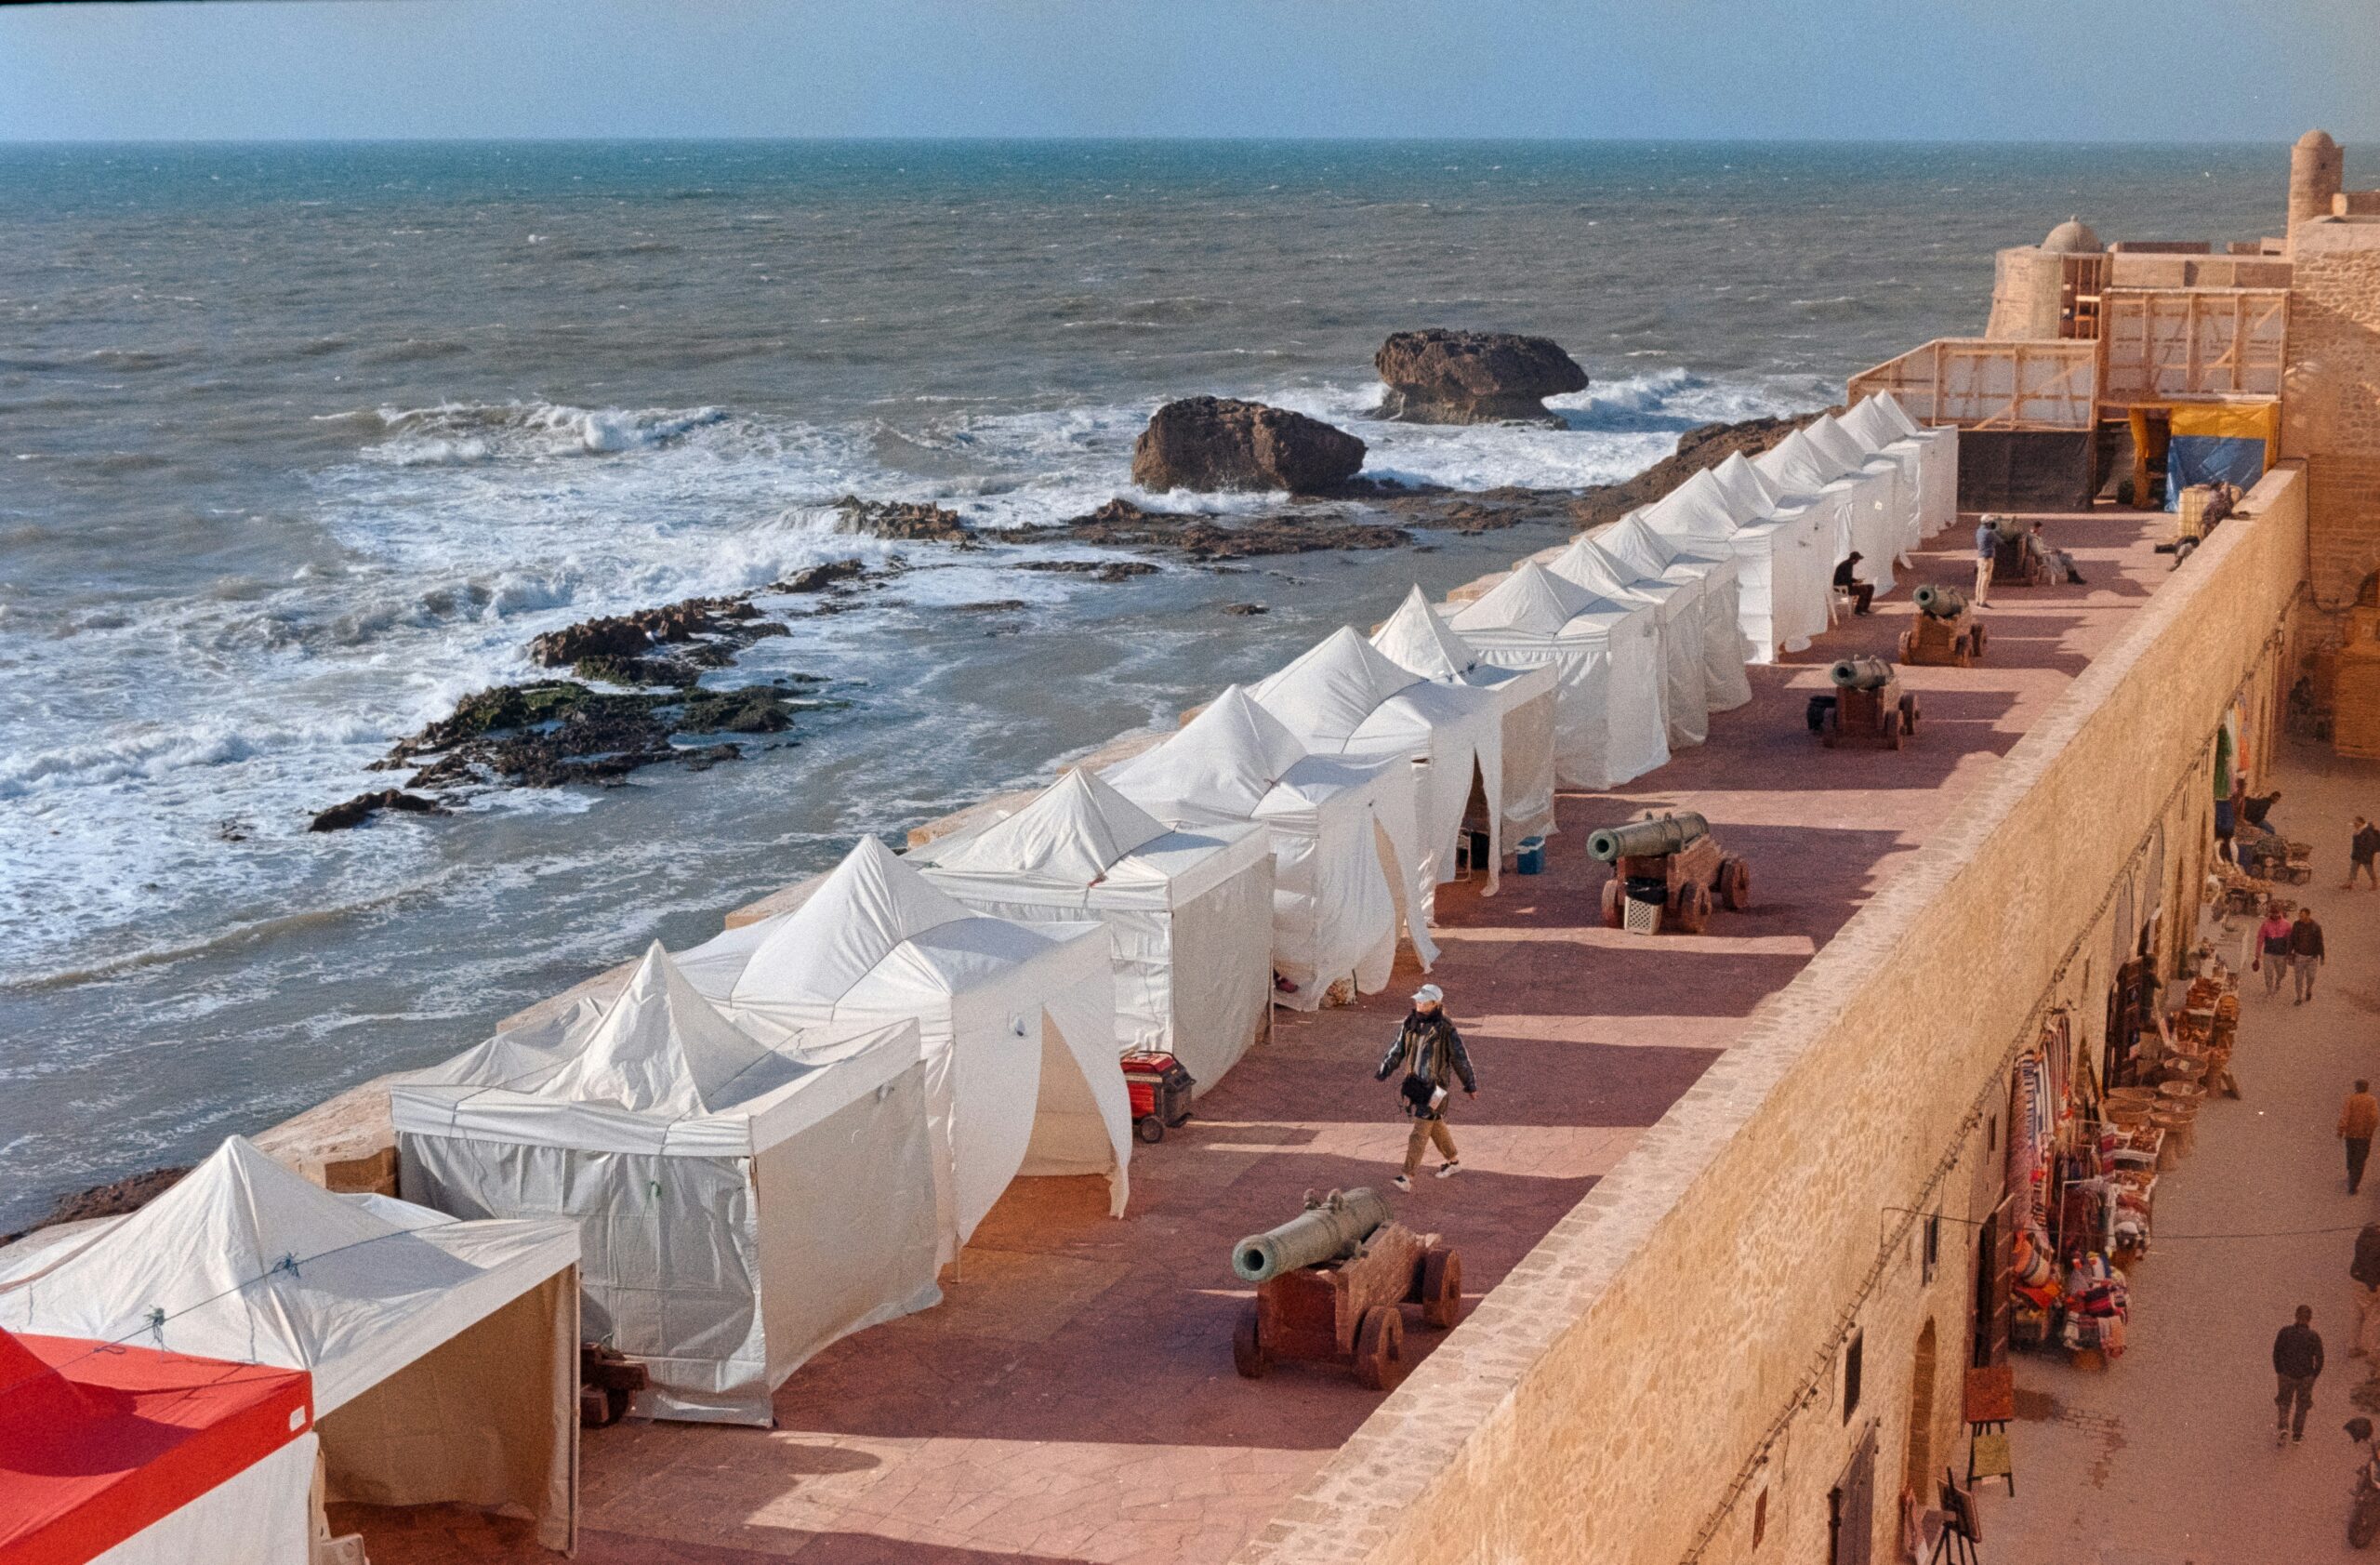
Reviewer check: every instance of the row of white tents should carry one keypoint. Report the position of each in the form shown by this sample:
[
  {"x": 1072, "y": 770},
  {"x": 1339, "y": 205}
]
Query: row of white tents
[{"x": 780, "y": 1136}]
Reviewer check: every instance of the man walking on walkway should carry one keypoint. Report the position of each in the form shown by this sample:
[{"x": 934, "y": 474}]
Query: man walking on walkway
[
  {"x": 2296, "y": 1359},
  {"x": 2365, "y": 1269},
  {"x": 2272, "y": 948},
  {"x": 1986, "y": 545},
  {"x": 2361, "y": 849},
  {"x": 2359, "y": 1117},
  {"x": 2305, "y": 952},
  {"x": 1432, "y": 1053}
]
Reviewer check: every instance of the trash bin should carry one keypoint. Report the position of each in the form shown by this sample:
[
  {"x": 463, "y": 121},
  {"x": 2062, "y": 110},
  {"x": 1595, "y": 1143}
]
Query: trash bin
[{"x": 1532, "y": 857}]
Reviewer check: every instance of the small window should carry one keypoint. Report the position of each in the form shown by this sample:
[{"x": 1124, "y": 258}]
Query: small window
[
  {"x": 1852, "y": 1354},
  {"x": 1933, "y": 1245},
  {"x": 1760, "y": 1519},
  {"x": 1992, "y": 1135}
]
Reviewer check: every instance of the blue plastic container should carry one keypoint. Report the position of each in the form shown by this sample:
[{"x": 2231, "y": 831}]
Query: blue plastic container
[{"x": 1531, "y": 858}]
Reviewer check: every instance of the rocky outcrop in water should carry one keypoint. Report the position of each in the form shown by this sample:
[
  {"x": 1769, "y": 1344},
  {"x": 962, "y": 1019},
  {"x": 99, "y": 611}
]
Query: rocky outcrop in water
[
  {"x": 1441, "y": 377},
  {"x": 364, "y": 807},
  {"x": 1121, "y": 524},
  {"x": 1705, "y": 445},
  {"x": 905, "y": 522},
  {"x": 550, "y": 732},
  {"x": 1209, "y": 444},
  {"x": 689, "y": 636}
]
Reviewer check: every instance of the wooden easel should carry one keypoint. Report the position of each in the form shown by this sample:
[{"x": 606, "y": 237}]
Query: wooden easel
[{"x": 1990, "y": 1404}]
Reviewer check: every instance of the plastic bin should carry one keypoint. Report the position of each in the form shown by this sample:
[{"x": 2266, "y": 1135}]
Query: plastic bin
[{"x": 1530, "y": 860}]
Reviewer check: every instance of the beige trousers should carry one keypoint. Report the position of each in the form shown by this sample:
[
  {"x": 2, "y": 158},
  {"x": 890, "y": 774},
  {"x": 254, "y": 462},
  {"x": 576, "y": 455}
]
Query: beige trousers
[
  {"x": 1424, "y": 1132},
  {"x": 1983, "y": 578}
]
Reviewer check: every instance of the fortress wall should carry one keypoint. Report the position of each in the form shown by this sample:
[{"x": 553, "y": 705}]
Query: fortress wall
[{"x": 1603, "y": 1402}]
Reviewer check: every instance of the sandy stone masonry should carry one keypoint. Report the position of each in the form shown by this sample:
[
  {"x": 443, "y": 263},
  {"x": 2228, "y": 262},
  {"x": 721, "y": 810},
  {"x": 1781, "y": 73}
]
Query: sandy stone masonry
[
  {"x": 2331, "y": 410},
  {"x": 1603, "y": 1401}
]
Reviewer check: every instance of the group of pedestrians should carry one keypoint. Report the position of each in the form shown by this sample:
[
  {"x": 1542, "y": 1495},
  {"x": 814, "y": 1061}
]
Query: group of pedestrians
[{"x": 2288, "y": 948}]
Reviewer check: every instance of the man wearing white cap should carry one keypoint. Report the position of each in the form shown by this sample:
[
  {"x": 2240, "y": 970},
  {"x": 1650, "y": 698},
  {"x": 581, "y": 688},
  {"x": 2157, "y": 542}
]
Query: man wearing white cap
[{"x": 1432, "y": 1053}]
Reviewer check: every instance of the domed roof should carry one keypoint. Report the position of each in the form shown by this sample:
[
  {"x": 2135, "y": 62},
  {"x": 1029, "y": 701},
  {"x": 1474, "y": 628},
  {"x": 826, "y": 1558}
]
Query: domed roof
[
  {"x": 2317, "y": 138},
  {"x": 2074, "y": 236}
]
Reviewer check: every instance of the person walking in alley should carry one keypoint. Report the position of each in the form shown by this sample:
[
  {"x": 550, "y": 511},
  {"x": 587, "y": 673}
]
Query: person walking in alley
[
  {"x": 2296, "y": 1361},
  {"x": 2365, "y": 1269},
  {"x": 1430, "y": 1053},
  {"x": 2361, "y": 849},
  {"x": 2272, "y": 948},
  {"x": 2359, "y": 1117},
  {"x": 2305, "y": 953},
  {"x": 1987, "y": 544}
]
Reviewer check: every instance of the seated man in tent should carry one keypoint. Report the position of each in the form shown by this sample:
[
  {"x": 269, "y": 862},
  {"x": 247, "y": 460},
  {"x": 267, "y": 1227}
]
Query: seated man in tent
[{"x": 1861, "y": 593}]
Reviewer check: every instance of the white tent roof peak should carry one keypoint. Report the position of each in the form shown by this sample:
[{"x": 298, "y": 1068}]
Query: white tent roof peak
[
  {"x": 1796, "y": 466},
  {"x": 1074, "y": 832},
  {"x": 1533, "y": 600},
  {"x": 1840, "y": 445},
  {"x": 1889, "y": 405},
  {"x": 1416, "y": 638},
  {"x": 1589, "y": 564},
  {"x": 1870, "y": 426},
  {"x": 865, "y": 908},
  {"x": 660, "y": 1048},
  {"x": 1327, "y": 690},
  {"x": 1748, "y": 492},
  {"x": 1219, "y": 767}
]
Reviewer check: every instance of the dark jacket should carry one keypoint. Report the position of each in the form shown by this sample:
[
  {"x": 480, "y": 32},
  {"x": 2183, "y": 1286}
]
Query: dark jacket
[
  {"x": 1428, "y": 1047},
  {"x": 2306, "y": 938},
  {"x": 2364, "y": 846},
  {"x": 2298, "y": 1352},
  {"x": 2366, "y": 1268}
]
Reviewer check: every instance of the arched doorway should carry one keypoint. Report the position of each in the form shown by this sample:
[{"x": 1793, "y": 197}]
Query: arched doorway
[{"x": 1918, "y": 1471}]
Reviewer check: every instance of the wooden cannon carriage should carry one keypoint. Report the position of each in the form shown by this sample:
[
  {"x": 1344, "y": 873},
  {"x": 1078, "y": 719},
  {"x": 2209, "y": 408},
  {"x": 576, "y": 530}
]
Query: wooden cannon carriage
[
  {"x": 1868, "y": 710},
  {"x": 1330, "y": 1284},
  {"x": 2015, "y": 561},
  {"x": 1677, "y": 855},
  {"x": 1946, "y": 634}
]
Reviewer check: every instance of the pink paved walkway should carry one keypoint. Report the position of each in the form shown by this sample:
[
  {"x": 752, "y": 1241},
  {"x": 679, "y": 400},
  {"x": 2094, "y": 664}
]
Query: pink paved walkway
[{"x": 1074, "y": 1399}]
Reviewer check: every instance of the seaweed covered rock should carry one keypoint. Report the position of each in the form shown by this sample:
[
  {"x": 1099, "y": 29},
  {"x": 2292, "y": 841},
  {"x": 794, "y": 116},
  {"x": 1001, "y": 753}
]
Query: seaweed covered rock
[
  {"x": 1441, "y": 377},
  {"x": 1209, "y": 444}
]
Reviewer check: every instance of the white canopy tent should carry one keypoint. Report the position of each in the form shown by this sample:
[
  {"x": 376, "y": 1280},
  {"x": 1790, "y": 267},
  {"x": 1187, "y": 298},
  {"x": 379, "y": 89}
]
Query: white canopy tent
[
  {"x": 1856, "y": 502},
  {"x": 444, "y": 1355},
  {"x": 1190, "y": 911},
  {"x": 1418, "y": 638},
  {"x": 1345, "y": 697},
  {"x": 1017, "y": 1024},
  {"x": 1607, "y": 661},
  {"x": 1702, "y": 539},
  {"x": 1676, "y": 605},
  {"x": 1929, "y": 458},
  {"x": 1342, "y": 834},
  {"x": 1900, "y": 507},
  {"x": 740, "y": 1206},
  {"x": 1785, "y": 553}
]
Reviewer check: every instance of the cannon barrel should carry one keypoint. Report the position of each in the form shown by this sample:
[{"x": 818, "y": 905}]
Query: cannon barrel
[
  {"x": 1646, "y": 838},
  {"x": 1328, "y": 1230},
  {"x": 1860, "y": 674},
  {"x": 2006, "y": 527},
  {"x": 1942, "y": 602}
]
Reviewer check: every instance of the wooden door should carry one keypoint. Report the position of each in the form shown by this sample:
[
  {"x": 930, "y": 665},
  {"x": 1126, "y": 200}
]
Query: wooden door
[
  {"x": 1851, "y": 1520},
  {"x": 1995, "y": 1266}
]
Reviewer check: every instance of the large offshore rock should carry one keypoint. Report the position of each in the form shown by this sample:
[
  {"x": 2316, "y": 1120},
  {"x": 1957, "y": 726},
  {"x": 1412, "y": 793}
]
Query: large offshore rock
[
  {"x": 1207, "y": 444},
  {"x": 1440, "y": 376}
]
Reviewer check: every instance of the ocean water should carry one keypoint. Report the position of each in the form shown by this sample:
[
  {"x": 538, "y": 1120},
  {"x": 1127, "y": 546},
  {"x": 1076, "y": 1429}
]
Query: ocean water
[{"x": 300, "y": 443}]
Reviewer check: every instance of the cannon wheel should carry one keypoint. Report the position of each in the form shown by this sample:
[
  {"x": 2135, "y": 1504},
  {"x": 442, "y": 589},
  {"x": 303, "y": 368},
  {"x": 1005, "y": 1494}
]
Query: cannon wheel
[
  {"x": 1693, "y": 908},
  {"x": 1893, "y": 737},
  {"x": 1978, "y": 638},
  {"x": 1908, "y": 644},
  {"x": 1379, "y": 1349},
  {"x": 1150, "y": 1128},
  {"x": 1247, "y": 1355},
  {"x": 1908, "y": 712},
  {"x": 1613, "y": 916},
  {"x": 1441, "y": 1287},
  {"x": 1734, "y": 884}
]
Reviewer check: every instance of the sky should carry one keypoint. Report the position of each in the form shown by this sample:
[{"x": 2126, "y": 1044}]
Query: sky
[{"x": 1861, "y": 69}]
